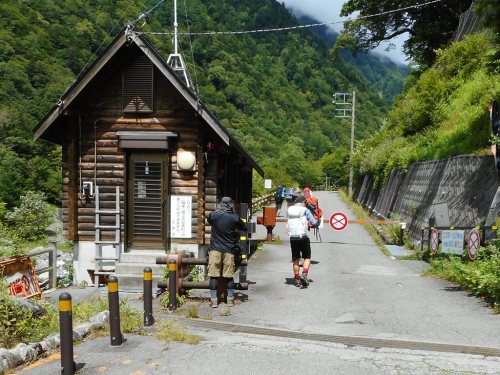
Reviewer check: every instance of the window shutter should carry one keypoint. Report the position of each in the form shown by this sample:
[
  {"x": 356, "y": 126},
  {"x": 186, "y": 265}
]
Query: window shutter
[{"x": 138, "y": 86}]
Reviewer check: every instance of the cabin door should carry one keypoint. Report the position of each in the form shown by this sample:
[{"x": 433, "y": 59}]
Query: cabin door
[{"x": 147, "y": 201}]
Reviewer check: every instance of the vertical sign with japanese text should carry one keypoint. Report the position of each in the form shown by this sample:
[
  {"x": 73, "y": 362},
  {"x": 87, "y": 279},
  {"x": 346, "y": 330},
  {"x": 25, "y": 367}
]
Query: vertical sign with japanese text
[{"x": 180, "y": 218}]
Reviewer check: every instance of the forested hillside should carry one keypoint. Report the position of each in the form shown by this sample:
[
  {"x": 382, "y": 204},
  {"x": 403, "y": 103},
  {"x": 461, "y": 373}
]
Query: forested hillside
[
  {"x": 386, "y": 76},
  {"x": 272, "y": 90}
]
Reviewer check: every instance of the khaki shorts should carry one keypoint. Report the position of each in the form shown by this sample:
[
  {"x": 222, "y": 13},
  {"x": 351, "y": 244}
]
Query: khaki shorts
[{"x": 218, "y": 262}]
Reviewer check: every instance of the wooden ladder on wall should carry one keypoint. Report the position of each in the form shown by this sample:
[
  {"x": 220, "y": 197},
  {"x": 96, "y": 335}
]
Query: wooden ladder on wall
[{"x": 100, "y": 260}]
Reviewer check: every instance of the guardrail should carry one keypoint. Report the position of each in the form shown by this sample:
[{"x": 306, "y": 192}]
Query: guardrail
[
  {"x": 52, "y": 267},
  {"x": 258, "y": 203}
]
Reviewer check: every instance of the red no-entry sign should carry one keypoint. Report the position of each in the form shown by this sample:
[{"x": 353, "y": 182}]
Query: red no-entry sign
[
  {"x": 338, "y": 221},
  {"x": 474, "y": 242},
  {"x": 434, "y": 240}
]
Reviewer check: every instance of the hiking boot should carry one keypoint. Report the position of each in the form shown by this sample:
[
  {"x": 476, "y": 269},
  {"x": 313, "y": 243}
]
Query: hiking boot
[
  {"x": 230, "y": 302},
  {"x": 304, "y": 279},
  {"x": 297, "y": 283},
  {"x": 213, "y": 303}
]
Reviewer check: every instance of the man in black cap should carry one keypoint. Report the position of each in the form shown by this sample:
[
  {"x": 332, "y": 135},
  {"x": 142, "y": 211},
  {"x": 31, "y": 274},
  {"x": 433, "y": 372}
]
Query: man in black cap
[{"x": 223, "y": 240}]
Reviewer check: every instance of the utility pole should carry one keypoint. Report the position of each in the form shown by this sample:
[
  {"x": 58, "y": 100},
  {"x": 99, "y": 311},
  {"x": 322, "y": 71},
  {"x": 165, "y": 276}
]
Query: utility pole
[{"x": 345, "y": 107}]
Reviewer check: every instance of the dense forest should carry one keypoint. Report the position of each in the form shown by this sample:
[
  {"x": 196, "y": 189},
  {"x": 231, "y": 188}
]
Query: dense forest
[{"x": 273, "y": 90}]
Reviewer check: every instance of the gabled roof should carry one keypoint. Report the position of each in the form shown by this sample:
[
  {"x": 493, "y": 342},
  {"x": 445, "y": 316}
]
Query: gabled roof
[{"x": 125, "y": 38}]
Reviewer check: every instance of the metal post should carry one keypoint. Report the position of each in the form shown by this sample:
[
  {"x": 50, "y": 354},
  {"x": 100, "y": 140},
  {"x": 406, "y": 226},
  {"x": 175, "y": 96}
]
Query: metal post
[
  {"x": 68, "y": 366},
  {"x": 353, "y": 116},
  {"x": 148, "y": 297},
  {"x": 114, "y": 312},
  {"x": 341, "y": 100},
  {"x": 432, "y": 222},
  {"x": 402, "y": 227},
  {"x": 52, "y": 264},
  {"x": 172, "y": 284}
]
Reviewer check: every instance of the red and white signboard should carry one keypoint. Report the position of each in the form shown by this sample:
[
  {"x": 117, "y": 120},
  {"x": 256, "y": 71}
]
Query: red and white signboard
[
  {"x": 434, "y": 241},
  {"x": 474, "y": 242},
  {"x": 338, "y": 221}
]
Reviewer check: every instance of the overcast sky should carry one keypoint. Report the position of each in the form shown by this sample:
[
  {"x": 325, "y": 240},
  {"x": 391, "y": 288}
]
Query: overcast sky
[{"x": 329, "y": 10}]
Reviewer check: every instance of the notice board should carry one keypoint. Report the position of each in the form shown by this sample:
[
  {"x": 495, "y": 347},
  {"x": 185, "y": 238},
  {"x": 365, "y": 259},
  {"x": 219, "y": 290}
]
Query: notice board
[
  {"x": 452, "y": 241},
  {"x": 180, "y": 218}
]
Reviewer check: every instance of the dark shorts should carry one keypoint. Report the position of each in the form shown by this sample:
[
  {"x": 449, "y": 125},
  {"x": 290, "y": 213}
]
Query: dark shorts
[{"x": 301, "y": 248}]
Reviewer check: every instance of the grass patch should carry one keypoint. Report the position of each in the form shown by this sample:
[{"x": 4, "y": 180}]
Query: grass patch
[
  {"x": 225, "y": 312},
  {"x": 169, "y": 330},
  {"x": 193, "y": 312}
]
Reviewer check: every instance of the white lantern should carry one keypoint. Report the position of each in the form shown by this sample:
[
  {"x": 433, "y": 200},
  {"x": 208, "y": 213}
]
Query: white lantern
[{"x": 186, "y": 160}]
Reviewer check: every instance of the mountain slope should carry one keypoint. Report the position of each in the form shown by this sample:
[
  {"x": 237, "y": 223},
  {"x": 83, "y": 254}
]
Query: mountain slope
[{"x": 385, "y": 75}]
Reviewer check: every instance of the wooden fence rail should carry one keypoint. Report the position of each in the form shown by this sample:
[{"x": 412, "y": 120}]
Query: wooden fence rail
[{"x": 52, "y": 267}]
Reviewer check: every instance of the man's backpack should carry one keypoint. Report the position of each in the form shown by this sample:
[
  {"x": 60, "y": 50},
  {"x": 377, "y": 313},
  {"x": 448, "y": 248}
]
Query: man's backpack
[
  {"x": 313, "y": 206},
  {"x": 291, "y": 192},
  {"x": 280, "y": 192}
]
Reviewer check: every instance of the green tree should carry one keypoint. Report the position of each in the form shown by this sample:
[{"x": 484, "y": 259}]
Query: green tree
[{"x": 428, "y": 27}]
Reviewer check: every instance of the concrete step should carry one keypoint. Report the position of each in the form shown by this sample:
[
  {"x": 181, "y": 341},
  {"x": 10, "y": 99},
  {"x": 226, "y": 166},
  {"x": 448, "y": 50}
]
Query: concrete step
[
  {"x": 138, "y": 268},
  {"x": 145, "y": 256}
]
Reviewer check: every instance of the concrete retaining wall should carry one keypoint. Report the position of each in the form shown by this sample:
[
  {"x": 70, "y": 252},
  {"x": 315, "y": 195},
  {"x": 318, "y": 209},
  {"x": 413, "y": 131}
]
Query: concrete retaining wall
[{"x": 458, "y": 191}]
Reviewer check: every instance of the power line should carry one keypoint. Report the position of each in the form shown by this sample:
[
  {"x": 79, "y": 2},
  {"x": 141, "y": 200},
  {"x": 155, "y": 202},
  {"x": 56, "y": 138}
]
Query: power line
[
  {"x": 295, "y": 27},
  {"x": 144, "y": 15}
]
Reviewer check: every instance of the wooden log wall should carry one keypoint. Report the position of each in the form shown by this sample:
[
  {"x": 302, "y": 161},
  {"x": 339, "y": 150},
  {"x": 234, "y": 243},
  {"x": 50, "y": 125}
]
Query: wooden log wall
[{"x": 91, "y": 153}]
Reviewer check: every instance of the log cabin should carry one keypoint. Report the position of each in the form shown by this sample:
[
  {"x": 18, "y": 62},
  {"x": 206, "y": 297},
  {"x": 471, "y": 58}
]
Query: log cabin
[{"x": 143, "y": 163}]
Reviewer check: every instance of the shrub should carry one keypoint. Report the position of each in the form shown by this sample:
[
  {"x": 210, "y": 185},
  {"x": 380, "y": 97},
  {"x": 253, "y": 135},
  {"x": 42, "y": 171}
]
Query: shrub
[
  {"x": 30, "y": 219},
  {"x": 19, "y": 324}
]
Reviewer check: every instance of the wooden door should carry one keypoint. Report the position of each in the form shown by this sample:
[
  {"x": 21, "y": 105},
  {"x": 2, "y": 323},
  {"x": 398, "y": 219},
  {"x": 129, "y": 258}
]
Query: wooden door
[{"x": 147, "y": 200}]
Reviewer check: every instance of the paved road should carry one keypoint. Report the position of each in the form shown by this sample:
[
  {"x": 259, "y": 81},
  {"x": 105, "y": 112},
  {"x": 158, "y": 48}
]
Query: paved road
[{"x": 363, "y": 313}]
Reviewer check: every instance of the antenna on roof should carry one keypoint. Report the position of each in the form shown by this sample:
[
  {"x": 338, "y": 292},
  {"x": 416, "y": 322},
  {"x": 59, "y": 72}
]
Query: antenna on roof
[{"x": 175, "y": 59}]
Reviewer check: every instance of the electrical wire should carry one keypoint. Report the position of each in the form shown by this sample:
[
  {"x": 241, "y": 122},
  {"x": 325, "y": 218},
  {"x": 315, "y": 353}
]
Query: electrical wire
[
  {"x": 144, "y": 15},
  {"x": 295, "y": 27}
]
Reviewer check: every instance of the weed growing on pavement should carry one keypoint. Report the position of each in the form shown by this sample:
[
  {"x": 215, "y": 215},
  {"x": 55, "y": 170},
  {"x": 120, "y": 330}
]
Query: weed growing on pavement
[
  {"x": 193, "y": 312},
  {"x": 225, "y": 312},
  {"x": 165, "y": 300},
  {"x": 169, "y": 330}
]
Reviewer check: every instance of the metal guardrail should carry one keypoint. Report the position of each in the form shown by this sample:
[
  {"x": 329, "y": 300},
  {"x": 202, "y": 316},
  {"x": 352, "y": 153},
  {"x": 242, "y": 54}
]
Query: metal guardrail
[{"x": 52, "y": 267}]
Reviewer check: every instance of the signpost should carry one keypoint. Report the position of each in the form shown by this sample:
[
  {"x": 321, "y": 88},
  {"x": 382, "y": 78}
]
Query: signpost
[
  {"x": 473, "y": 243},
  {"x": 338, "y": 221}
]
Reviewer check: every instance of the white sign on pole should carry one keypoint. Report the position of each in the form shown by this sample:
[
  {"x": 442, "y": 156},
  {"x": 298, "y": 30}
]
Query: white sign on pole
[
  {"x": 180, "y": 218},
  {"x": 268, "y": 184},
  {"x": 452, "y": 241}
]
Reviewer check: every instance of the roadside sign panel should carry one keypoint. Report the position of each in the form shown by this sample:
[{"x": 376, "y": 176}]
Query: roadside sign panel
[
  {"x": 473, "y": 243},
  {"x": 20, "y": 276},
  {"x": 434, "y": 240},
  {"x": 453, "y": 241},
  {"x": 338, "y": 221}
]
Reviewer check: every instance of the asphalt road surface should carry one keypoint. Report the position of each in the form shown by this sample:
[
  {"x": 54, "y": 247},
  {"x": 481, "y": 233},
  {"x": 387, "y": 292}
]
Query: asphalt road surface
[{"x": 363, "y": 313}]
